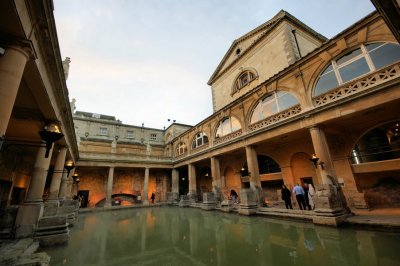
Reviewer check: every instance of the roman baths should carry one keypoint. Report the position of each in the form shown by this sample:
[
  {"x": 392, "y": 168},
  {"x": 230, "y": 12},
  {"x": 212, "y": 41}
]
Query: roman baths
[{"x": 298, "y": 164}]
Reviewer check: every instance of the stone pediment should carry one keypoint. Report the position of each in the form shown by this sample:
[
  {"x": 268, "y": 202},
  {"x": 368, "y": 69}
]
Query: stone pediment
[{"x": 246, "y": 42}]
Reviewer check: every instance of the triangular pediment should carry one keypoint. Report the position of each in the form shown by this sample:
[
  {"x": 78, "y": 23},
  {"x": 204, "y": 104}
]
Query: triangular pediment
[{"x": 246, "y": 42}]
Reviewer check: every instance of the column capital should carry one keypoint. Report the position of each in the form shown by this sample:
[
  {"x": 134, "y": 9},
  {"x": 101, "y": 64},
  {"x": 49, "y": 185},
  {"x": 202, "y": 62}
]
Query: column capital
[{"x": 23, "y": 45}]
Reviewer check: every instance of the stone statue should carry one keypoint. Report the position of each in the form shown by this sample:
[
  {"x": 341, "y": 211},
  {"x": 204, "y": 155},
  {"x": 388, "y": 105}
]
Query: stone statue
[
  {"x": 72, "y": 104},
  {"x": 148, "y": 149},
  {"x": 66, "y": 67}
]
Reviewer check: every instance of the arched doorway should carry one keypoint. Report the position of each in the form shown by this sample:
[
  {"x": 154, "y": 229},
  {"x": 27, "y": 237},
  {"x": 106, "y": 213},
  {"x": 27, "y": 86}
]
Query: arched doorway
[{"x": 375, "y": 160}]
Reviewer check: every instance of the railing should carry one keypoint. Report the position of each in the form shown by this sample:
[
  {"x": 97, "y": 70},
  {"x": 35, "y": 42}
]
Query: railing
[
  {"x": 276, "y": 118},
  {"x": 381, "y": 153},
  {"x": 127, "y": 156},
  {"x": 358, "y": 85}
]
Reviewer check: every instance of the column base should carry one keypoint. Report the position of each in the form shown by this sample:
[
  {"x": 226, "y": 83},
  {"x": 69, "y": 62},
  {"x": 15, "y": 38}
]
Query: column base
[
  {"x": 52, "y": 231},
  {"x": 184, "y": 201},
  {"x": 27, "y": 219},
  {"x": 249, "y": 201},
  {"x": 330, "y": 217},
  {"x": 51, "y": 207},
  {"x": 208, "y": 201}
]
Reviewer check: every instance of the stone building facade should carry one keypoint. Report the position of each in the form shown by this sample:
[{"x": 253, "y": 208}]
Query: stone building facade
[{"x": 281, "y": 94}]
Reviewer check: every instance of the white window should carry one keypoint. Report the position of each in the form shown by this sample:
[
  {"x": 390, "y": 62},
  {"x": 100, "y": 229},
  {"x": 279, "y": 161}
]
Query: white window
[
  {"x": 272, "y": 104},
  {"x": 199, "y": 140},
  {"x": 153, "y": 136},
  {"x": 103, "y": 131},
  {"x": 181, "y": 148},
  {"x": 129, "y": 134},
  {"x": 244, "y": 78},
  {"x": 227, "y": 125}
]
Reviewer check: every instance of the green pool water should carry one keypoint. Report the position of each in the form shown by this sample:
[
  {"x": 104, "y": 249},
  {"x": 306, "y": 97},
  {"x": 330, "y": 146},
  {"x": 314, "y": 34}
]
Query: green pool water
[{"x": 187, "y": 236}]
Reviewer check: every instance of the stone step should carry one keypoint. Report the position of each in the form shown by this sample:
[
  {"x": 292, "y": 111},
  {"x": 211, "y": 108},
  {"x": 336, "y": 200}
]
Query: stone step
[{"x": 31, "y": 249}]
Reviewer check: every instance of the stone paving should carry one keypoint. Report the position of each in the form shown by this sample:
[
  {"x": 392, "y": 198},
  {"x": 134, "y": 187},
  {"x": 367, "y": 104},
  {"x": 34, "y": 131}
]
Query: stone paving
[{"x": 22, "y": 252}]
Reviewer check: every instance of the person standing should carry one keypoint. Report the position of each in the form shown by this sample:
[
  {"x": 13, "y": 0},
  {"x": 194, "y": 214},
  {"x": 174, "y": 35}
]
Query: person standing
[
  {"x": 311, "y": 193},
  {"x": 306, "y": 198},
  {"x": 299, "y": 192},
  {"x": 287, "y": 197},
  {"x": 153, "y": 196}
]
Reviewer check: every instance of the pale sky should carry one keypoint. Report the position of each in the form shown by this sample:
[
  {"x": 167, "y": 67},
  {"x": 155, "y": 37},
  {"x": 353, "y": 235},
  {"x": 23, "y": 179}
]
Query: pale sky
[{"x": 144, "y": 61}]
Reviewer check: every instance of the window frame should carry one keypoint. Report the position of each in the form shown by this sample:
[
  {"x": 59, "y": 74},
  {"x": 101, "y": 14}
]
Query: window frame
[
  {"x": 274, "y": 100},
  {"x": 200, "y": 136},
  {"x": 238, "y": 84},
  {"x": 153, "y": 136},
  {"x": 103, "y": 131},
  {"x": 336, "y": 67}
]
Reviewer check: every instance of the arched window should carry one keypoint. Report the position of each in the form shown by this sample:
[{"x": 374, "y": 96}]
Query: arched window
[
  {"x": 227, "y": 125},
  {"x": 379, "y": 144},
  {"x": 181, "y": 149},
  {"x": 367, "y": 58},
  {"x": 272, "y": 104},
  {"x": 199, "y": 140},
  {"x": 244, "y": 78}
]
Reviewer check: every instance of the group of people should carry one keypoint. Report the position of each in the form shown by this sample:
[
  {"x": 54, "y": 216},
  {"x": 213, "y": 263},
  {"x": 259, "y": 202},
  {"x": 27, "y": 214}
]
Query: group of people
[{"x": 304, "y": 196}]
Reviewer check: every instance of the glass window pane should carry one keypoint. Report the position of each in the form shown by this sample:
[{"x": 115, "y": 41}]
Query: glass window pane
[
  {"x": 226, "y": 127},
  {"x": 269, "y": 109},
  {"x": 348, "y": 56},
  {"x": 326, "y": 83},
  {"x": 328, "y": 69},
  {"x": 258, "y": 114},
  {"x": 235, "y": 124},
  {"x": 286, "y": 100},
  {"x": 385, "y": 55},
  {"x": 354, "y": 70},
  {"x": 373, "y": 46}
]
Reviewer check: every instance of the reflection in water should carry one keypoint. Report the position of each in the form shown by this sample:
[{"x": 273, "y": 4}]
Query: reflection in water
[{"x": 176, "y": 236}]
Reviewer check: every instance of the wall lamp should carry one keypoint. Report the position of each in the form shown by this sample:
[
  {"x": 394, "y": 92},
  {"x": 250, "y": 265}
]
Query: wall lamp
[
  {"x": 69, "y": 165},
  {"x": 75, "y": 177},
  {"x": 49, "y": 134},
  {"x": 315, "y": 160},
  {"x": 244, "y": 172}
]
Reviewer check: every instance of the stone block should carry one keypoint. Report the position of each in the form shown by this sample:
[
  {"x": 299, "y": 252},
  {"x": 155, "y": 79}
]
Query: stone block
[
  {"x": 27, "y": 219},
  {"x": 248, "y": 202},
  {"x": 50, "y": 208},
  {"x": 52, "y": 221}
]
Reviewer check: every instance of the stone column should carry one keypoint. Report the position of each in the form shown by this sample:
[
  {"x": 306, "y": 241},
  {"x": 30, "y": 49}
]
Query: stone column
[
  {"x": 254, "y": 174},
  {"x": 175, "y": 181},
  {"x": 216, "y": 177},
  {"x": 12, "y": 65},
  {"x": 252, "y": 163},
  {"x": 69, "y": 183},
  {"x": 145, "y": 198},
  {"x": 322, "y": 152},
  {"x": 32, "y": 209},
  {"x": 164, "y": 188},
  {"x": 192, "y": 181},
  {"x": 63, "y": 187},
  {"x": 330, "y": 204},
  {"x": 110, "y": 181},
  {"x": 58, "y": 172}
]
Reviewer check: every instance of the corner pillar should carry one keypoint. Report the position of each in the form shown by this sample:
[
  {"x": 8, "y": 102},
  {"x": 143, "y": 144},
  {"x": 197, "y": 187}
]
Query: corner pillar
[
  {"x": 57, "y": 175},
  {"x": 32, "y": 209},
  {"x": 110, "y": 181},
  {"x": 145, "y": 198},
  {"x": 12, "y": 65}
]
